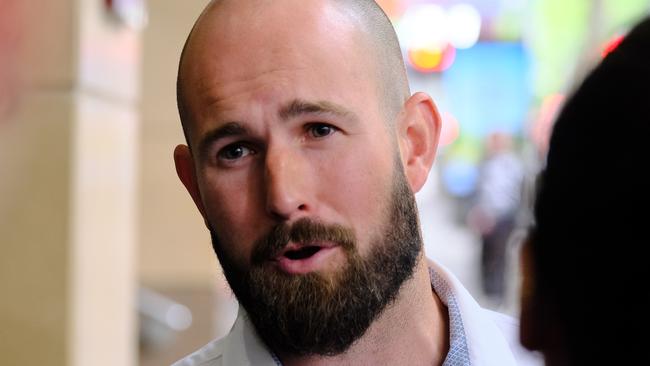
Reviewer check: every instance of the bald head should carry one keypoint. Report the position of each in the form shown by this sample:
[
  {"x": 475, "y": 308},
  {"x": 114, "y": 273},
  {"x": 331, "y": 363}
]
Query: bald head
[{"x": 228, "y": 26}]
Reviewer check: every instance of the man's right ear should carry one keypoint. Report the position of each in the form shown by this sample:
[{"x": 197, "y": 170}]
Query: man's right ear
[{"x": 186, "y": 173}]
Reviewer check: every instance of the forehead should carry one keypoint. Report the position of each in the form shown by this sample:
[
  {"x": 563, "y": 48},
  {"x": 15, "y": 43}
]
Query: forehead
[{"x": 297, "y": 49}]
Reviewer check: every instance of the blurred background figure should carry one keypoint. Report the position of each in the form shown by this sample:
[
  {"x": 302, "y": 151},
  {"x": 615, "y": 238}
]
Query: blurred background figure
[
  {"x": 494, "y": 213},
  {"x": 585, "y": 291}
]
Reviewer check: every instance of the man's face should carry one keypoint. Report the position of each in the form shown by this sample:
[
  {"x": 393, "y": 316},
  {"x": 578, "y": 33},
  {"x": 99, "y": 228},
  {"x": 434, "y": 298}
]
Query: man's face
[
  {"x": 300, "y": 179},
  {"x": 287, "y": 126},
  {"x": 323, "y": 314}
]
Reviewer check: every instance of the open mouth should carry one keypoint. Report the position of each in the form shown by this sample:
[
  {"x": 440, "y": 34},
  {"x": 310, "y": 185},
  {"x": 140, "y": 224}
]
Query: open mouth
[
  {"x": 302, "y": 252},
  {"x": 301, "y": 259}
]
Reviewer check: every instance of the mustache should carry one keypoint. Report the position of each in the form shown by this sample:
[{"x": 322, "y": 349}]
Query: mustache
[{"x": 304, "y": 230}]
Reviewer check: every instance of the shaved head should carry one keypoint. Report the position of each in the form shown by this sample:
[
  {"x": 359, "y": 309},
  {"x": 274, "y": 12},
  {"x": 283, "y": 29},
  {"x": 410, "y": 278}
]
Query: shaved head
[{"x": 370, "y": 28}]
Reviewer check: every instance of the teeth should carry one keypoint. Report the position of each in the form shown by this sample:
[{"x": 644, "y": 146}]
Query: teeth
[{"x": 302, "y": 253}]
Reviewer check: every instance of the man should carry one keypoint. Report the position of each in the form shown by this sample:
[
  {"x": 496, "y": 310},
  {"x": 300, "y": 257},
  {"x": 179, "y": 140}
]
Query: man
[{"x": 304, "y": 150}]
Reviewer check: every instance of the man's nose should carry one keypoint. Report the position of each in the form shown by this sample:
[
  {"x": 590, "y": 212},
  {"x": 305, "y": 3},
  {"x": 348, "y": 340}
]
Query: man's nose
[{"x": 285, "y": 178}]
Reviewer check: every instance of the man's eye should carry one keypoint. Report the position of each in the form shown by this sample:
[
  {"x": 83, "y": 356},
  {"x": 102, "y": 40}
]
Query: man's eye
[
  {"x": 234, "y": 152},
  {"x": 319, "y": 130}
]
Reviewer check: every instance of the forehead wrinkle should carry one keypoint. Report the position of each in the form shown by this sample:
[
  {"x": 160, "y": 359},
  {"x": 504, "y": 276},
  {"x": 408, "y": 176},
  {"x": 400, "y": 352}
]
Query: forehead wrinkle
[
  {"x": 216, "y": 95},
  {"x": 299, "y": 107}
]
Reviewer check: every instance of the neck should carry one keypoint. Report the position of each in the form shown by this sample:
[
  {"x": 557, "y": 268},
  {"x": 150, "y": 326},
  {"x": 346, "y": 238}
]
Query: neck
[{"x": 414, "y": 330}]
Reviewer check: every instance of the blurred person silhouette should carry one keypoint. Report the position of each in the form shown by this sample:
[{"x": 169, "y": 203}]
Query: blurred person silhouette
[
  {"x": 494, "y": 214},
  {"x": 585, "y": 293},
  {"x": 304, "y": 150}
]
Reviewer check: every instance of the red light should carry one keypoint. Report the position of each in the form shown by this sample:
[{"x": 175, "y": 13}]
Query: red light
[{"x": 611, "y": 45}]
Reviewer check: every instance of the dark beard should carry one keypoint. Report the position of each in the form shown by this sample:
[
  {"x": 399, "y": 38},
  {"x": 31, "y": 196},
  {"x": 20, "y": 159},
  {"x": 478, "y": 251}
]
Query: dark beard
[{"x": 313, "y": 314}]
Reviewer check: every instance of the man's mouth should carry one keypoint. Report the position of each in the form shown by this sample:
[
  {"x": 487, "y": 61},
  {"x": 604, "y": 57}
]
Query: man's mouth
[
  {"x": 304, "y": 258},
  {"x": 302, "y": 252}
]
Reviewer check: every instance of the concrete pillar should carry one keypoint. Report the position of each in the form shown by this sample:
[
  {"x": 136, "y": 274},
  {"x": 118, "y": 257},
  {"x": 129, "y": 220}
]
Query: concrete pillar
[{"x": 68, "y": 153}]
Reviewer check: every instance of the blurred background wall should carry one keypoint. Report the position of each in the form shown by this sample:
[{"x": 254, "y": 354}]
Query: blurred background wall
[
  {"x": 68, "y": 180},
  {"x": 105, "y": 260}
]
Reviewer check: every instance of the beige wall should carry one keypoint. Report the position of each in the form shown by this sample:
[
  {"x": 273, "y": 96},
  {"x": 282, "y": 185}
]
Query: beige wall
[
  {"x": 174, "y": 247},
  {"x": 67, "y": 184},
  {"x": 34, "y": 221}
]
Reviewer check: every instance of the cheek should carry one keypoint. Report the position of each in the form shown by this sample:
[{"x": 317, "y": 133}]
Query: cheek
[
  {"x": 360, "y": 188},
  {"x": 230, "y": 205}
]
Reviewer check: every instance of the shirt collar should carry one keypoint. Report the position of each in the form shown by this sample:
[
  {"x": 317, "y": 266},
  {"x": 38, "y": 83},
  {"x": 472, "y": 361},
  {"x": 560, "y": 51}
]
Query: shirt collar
[
  {"x": 458, "y": 352},
  {"x": 479, "y": 341}
]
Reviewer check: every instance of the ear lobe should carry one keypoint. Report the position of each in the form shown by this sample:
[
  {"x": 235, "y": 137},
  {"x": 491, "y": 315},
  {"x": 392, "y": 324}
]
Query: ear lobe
[
  {"x": 186, "y": 173},
  {"x": 419, "y": 132}
]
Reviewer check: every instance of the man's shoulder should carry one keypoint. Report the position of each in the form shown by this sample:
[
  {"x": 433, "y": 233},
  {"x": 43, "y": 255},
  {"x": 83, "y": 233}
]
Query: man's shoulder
[
  {"x": 489, "y": 337},
  {"x": 209, "y": 355},
  {"x": 506, "y": 323},
  {"x": 509, "y": 327},
  {"x": 240, "y": 347}
]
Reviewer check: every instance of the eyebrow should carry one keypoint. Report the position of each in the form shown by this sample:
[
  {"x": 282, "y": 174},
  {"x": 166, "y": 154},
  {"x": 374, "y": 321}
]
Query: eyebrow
[
  {"x": 295, "y": 108},
  {"x": 225, "y": 130},
  {"x": 299, "y": 107}
]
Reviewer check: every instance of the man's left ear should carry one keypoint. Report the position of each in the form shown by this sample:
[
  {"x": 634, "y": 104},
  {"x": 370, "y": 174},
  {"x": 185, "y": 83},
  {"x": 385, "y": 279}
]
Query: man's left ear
[{"x": 418, "y": 133}]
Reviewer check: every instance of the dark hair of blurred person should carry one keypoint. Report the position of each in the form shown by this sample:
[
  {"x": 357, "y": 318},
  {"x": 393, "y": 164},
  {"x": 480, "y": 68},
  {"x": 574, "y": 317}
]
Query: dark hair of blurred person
[{"x": 585, "y": 295}]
